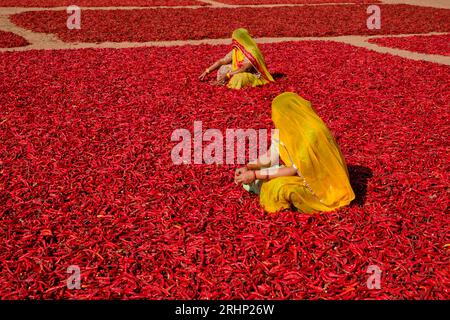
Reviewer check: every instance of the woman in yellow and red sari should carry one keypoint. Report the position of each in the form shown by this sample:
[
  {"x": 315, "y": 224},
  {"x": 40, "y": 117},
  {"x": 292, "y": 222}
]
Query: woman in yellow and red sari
[
  {"x": 243, "y": 66},
  {"x": 314, "y": 176}
]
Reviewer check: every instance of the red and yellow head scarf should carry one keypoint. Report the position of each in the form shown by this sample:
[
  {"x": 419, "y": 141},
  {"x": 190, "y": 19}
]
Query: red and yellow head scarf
[{"x": 245, "y": 46}]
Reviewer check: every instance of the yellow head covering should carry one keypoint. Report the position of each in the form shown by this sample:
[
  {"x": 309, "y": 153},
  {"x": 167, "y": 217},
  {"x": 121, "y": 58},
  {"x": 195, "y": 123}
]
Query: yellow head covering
[
  {"x": 308, "y": 145},
  {"x": 245, "y": 43}
]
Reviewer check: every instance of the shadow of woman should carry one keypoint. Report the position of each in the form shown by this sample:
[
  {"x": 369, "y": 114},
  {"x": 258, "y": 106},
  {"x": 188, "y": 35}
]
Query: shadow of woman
[
  {"x": 359, "y": 176},
  {"x": 278, "y": 75}
]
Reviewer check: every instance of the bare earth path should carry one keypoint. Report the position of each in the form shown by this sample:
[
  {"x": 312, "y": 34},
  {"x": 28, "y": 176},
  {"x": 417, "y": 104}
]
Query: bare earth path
[{"x": 42, "y": 41}]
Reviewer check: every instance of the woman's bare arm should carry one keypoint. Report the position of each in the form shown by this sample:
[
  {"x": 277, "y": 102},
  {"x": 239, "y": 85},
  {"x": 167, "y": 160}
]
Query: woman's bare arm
[
  {"x": 225, "y": 60},
  {"x": 268, "y": 159},
  {"x": 271, "y": 173},
  {"x": 219, "y": 63},
  {"x": 250, "y": 176}
]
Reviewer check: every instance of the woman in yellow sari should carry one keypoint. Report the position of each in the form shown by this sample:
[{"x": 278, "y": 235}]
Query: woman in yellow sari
[
  {"x": 243, "y": 66},
  {"x": 314, "y": 177}
]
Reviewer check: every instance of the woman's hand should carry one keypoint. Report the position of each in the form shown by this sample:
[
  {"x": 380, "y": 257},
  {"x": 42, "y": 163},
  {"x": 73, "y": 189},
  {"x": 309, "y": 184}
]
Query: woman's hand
[
  {"x": 239, "y": 171},
  {"x": 203, "y": 75},
  {"x": 246, "y": 177}
]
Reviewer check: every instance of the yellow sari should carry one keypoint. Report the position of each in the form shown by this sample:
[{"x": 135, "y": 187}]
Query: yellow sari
[
  {"x": 245, "y": 47},
  {"x": 305, "y": 143}
]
